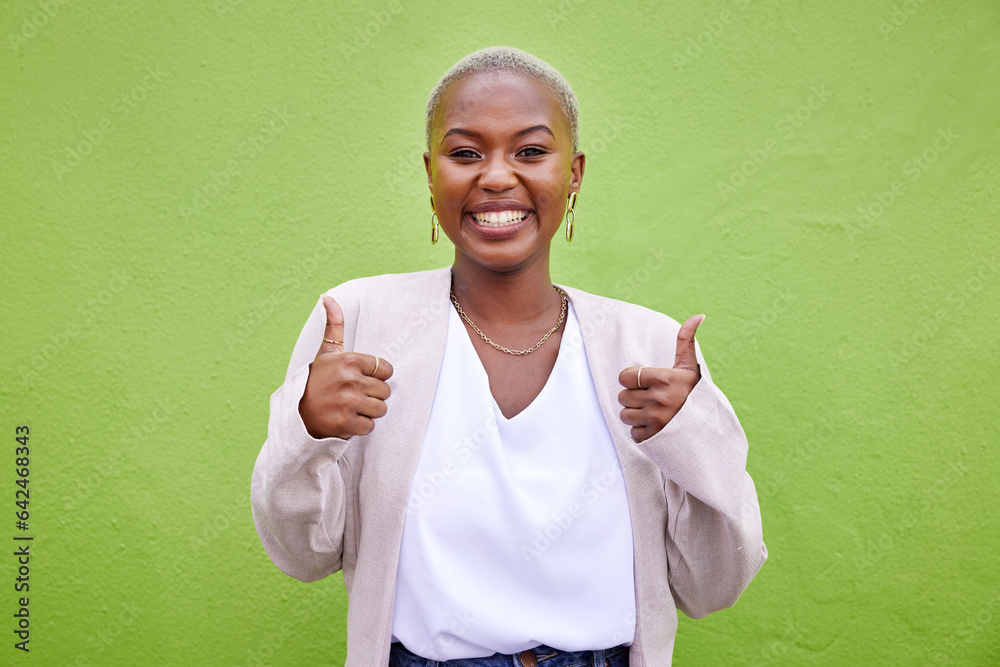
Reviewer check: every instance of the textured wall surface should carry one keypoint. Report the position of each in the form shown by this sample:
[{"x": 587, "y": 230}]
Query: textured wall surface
[{"x": 181, "y": 180}]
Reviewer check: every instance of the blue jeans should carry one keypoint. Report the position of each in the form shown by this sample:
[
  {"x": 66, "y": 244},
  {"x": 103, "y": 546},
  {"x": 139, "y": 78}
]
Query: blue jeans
[{"x": 545, "y": 656}]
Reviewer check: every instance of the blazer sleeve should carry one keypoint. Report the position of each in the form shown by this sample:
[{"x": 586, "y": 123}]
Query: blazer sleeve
[
  {"x": 297, "y": 490},
  {"x": 714, "y": 538}
]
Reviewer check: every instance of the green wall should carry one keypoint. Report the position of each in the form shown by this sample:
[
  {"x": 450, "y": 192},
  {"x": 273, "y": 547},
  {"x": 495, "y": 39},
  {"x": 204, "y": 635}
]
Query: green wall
[{"x": 181, "y": 180}]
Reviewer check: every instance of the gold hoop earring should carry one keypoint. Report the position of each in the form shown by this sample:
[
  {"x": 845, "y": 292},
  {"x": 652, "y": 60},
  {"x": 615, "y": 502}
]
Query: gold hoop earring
[
  {"x": 434, "y": 223},
  {"x": 570, "y": 216}
]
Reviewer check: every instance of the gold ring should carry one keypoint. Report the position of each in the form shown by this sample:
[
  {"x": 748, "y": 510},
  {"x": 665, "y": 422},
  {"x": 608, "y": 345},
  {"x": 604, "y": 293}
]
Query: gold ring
[
  {"x": 376, "y": 368},
  {"x": 638, "y": 378},
  {"x": 335, "y": 342}
]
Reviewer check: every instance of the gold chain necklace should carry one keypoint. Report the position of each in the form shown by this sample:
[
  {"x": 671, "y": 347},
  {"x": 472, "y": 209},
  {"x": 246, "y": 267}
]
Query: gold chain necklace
[{"x": 562, "y": 318}]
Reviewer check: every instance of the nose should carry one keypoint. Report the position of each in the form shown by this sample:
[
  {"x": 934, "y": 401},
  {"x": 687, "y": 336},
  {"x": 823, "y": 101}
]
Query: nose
[{"x": 498, "y": 174}]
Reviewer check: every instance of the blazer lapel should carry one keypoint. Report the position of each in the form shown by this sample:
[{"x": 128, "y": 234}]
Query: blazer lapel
[
  {"x": 604, "y": 327},
  {"x": 391, "y": 452},
  {"x": 417, "y": 351}
]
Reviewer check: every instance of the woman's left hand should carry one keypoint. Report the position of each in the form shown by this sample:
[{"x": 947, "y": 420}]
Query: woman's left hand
[{"x": 650, "y": 406}]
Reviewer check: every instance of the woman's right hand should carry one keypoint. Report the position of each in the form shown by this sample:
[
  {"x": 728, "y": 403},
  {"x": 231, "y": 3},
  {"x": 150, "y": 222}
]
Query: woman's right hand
[{"x": 346, "y": 391}]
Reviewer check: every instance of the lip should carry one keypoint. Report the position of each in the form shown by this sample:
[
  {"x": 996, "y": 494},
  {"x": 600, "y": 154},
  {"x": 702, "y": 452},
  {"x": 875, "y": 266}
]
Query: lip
[{"x": 495, "y": 206}]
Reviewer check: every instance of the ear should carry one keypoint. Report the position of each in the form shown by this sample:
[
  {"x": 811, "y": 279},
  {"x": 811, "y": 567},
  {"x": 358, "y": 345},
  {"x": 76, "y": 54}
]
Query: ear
[
  {"x": 427, "y": 166},
  {"x": 576, "y": 170}
]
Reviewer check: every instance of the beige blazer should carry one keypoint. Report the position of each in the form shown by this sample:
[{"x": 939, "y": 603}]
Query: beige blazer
[{"x": 331, "y": 504}]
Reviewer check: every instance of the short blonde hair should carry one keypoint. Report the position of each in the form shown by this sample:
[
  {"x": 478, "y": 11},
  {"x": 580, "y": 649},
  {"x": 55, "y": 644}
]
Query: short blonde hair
[{"x": 495, "y": 58}]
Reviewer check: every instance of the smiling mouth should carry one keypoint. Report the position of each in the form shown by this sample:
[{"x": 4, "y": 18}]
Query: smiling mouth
[{"x": 500, "y": 218}]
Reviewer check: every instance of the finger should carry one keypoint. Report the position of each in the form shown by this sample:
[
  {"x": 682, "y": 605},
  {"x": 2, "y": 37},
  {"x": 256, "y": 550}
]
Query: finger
[
  {"x": 630, "y": 398},
  {"x": 685, "y": 357},
  {"x": 334, "y": 330},
  {"x": 629, "y": 378},
  {"x": 376, "y": 388},
  {"x": 372, "y": 408},
  {"x": 363, "y": 425},
  {"x": 377, "y": 367},
  {"x": 632, "y": 417},
  {"x": 639, "y": 433}
]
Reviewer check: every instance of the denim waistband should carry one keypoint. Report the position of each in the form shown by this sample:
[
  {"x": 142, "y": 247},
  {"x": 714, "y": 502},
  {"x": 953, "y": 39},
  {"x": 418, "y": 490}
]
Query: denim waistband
[{"x": 544, "y": 656}]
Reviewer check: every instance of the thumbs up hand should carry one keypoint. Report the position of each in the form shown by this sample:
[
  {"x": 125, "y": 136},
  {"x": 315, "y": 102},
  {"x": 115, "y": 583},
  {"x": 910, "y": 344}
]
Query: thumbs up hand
[
  {"x": 652, "y": 396},
  {"x": 346, "y": 391}
]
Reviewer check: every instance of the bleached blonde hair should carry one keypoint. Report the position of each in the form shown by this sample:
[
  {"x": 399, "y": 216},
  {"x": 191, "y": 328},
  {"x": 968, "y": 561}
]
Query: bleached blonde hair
[{"x": 496, "y": 58}]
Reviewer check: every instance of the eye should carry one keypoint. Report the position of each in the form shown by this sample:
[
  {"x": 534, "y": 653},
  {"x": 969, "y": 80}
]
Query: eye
[
  {"x": 464, "y": 154},
  {"x": 532, "y": 151}
]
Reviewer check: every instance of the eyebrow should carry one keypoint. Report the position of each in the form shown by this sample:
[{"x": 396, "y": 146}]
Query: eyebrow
[{"x": 520, "y": 133}]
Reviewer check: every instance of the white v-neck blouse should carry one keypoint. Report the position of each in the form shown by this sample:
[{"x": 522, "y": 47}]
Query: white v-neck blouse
[{"x": 517, "y": 531}]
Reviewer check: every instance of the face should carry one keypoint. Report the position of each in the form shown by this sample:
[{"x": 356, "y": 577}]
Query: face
[{"x": 501, "y": 167}]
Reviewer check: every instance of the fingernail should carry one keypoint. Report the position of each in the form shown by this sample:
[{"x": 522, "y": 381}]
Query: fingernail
[{"x": 701, "y": 320}]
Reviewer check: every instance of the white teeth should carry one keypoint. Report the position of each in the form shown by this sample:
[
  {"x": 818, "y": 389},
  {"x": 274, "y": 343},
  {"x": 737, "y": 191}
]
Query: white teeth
[{"x": 500, "y": 218}]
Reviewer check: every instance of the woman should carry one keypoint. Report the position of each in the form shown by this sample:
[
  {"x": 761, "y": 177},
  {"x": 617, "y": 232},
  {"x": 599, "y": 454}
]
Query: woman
[{"x": 501, "y": 507}]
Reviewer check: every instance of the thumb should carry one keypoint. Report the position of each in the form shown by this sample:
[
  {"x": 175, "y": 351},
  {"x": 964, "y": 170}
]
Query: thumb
[
  {"x": 685, "y": 356},
  {"x": 333, "y": 334}
]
